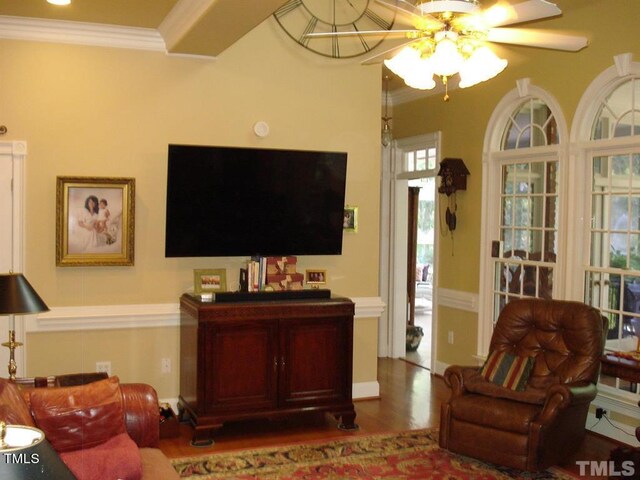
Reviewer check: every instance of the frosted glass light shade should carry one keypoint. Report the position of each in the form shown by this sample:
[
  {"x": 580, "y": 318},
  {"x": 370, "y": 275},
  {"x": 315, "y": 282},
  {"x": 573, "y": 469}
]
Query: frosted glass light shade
[
  {"x": 482, "y": 65},
  {"x": 421, "y": 75},
  {"x": 446, "y": 60},
  {"x": 403, "y": 62}
]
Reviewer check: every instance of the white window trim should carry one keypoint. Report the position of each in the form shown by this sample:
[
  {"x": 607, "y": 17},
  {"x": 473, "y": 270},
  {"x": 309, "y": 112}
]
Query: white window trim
[{"x": 491, "y": 187}]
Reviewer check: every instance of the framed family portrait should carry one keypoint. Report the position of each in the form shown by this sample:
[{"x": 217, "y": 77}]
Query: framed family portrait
[
  {"x": 95, "y": 221},
  {"x": 350, "y": 219},
  {"x": 210, "y": 281},
  {"x": 315, "y": 278}
]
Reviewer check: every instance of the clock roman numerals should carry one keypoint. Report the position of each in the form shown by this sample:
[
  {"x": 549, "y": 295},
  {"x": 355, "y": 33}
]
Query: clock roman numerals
[
  {"x": 338, "y": 28},
  {"x": 287, "y": 8},
  {"x": 377, "y": 19},
  {"x": 363, "y": 42},
  {"x": 335, "y": 47},
  {"x": 311, "y": 26}
]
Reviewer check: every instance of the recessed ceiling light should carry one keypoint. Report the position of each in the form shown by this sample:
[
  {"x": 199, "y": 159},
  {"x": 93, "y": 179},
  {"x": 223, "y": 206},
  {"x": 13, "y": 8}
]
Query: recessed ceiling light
[{"x": 59, "y": 2}]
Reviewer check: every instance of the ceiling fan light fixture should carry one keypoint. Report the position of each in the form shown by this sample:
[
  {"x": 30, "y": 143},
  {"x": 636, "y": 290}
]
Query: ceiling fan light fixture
[
  {"x": 420, "y": 76},
  {"x": 404, "y": 61},
  {"x": 453, "y": 6},
  {"x": 446, "y": 60},
  {"x": 59, "y": 2},
  {"x": 482, "y": 65}
]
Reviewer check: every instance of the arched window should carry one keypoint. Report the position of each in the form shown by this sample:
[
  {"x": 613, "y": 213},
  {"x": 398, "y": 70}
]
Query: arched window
[
  {"x": 521, "y": 204},
  {"x": 607, "y": 129},
  {"x": 619, "y": 112}
]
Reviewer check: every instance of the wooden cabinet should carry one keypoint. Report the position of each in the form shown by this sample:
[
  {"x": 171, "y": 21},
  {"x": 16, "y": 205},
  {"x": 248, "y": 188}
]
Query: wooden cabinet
[{"x": 264, "y": 359}]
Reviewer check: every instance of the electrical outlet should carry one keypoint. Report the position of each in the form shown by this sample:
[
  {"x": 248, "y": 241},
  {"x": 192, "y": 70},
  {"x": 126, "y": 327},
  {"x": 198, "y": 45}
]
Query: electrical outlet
[
  {"x": 104, "y": 367},
  {"x": 450, "y": 337},
  {"x": 165, "y": 365},
  {"x": 600, "y": 412}
]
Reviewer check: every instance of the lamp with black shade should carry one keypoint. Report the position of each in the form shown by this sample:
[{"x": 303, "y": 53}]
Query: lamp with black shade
[
  {"x": 17, "y": 297},
  {"x": 26, "y": 454}
]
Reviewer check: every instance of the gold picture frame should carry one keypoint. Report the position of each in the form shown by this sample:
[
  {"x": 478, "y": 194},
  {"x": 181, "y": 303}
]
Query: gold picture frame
[
  {"x": 211, "y": 280},
  {"x": 350, "y": 219},
  {"x": 95, "y": 221},
  {"x": 315, "y": 277}
]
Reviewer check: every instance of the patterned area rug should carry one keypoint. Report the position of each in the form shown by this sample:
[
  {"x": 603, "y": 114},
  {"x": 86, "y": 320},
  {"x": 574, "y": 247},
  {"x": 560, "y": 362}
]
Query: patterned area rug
[{"x": 406, "y": 455}]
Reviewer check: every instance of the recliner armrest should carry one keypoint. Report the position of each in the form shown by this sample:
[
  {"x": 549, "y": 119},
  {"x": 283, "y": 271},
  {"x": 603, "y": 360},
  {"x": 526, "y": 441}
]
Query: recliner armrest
[
  {"x": 454, "y": 378},
  {"x": 142, "y": 413},
  {"x": 563, "y": 395}
]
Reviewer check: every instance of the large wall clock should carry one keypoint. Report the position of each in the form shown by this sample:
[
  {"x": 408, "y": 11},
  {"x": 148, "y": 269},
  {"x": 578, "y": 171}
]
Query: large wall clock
[{"x": 298, "y": 18}]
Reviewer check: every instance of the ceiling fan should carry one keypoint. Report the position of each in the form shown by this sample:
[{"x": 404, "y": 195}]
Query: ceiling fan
[{"x": 443, "y": 38}]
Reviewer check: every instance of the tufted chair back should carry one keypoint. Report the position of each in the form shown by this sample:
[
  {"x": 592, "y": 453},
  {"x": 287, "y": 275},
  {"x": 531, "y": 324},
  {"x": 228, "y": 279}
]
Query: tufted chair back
[{"x": 565, "y": 337}]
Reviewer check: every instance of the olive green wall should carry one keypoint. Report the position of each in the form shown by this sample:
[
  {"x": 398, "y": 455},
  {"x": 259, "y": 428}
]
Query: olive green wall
[
  {"x": 94, "y": 111},
  {"x": 611, "y": 29}
]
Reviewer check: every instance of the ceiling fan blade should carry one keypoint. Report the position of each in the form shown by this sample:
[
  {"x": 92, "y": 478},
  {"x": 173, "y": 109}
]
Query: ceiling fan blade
[
  {"x": 502, "y": 13},
  {"x": 395, "y": 45},
  {"x": 394, "y": 33},
  {"x": 412, "y": 13},
  {"x": 537, "y": 38}
]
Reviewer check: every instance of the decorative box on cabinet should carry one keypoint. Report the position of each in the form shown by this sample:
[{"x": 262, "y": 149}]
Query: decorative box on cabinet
[{"x": 264, "y": 359}]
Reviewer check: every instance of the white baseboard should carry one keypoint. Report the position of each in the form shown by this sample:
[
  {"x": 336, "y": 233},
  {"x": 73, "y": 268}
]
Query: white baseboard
[
  {"x": 366, "y": 390},
  {"x": 439, "y": 368}
]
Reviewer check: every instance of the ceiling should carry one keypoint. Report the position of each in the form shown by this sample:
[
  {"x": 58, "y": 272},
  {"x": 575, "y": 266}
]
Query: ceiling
[
  {"x": 196, "y": 27},
  {"x": 192, "y": 27}
]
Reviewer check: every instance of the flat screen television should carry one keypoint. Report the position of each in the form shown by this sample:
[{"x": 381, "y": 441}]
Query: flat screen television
[{"x": 228, "y": 201}]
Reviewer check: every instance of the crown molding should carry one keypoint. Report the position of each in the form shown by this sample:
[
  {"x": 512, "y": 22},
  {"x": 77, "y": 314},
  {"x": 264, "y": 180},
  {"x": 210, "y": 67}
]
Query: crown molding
[
  {"x": 79, "y": 33},
  {"x": 184, "y": 15}
]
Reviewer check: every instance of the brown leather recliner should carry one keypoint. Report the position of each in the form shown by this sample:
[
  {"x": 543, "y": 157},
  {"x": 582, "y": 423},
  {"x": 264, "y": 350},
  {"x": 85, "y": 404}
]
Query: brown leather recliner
[{"x": 544, "y": 423}]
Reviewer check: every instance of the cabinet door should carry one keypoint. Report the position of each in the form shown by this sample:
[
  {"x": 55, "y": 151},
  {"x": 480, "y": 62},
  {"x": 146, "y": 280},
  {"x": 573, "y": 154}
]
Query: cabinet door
[
  {"x": 241, "y": 368},
  {"x": 315, "y": 361}
]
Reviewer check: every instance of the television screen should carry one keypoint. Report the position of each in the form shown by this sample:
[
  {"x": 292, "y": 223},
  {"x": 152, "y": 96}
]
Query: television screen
[{"x": 227, "y": 201}]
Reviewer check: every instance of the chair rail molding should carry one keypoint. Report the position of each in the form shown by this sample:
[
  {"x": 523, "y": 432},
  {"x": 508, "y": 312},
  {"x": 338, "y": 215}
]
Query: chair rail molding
[
  {"x": 458, "y": 299},
  {"x": 108, "y": 317}
]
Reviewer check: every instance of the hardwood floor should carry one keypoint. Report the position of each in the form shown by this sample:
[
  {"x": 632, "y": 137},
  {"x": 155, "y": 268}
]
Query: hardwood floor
[{"x": 410, "y": 398}]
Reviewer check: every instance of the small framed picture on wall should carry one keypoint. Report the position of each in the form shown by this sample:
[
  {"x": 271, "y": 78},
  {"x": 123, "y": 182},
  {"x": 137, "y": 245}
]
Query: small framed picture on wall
[{"x": 350, "y": 219}]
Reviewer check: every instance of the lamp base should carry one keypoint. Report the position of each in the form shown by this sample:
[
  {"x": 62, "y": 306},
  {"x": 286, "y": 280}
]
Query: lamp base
[{"x": 12, "y": 345}]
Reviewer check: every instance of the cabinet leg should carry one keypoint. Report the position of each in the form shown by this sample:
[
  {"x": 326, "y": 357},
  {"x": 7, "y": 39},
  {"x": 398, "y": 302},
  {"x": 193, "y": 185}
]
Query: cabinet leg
[
  {"x": 203, "y": 436},
  {"x": 347, "y": 420}
]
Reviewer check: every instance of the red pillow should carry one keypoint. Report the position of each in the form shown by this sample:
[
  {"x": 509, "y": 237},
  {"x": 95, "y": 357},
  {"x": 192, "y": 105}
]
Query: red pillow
[
  {"x": 81, "y": 416},
  {"x": 117, "y": 458}
]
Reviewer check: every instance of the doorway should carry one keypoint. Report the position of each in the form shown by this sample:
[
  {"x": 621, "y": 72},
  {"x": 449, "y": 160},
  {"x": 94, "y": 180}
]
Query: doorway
[{"x": 420, "y": 268}]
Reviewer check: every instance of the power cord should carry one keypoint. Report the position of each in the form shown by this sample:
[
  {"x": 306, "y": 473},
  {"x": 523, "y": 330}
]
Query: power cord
[{"x": 606, "y": 417}]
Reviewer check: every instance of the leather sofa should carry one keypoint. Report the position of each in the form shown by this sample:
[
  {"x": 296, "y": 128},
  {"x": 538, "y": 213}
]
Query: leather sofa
[
  {"x": 139, "y": 405},
  {"x": 540, "y": 421}
]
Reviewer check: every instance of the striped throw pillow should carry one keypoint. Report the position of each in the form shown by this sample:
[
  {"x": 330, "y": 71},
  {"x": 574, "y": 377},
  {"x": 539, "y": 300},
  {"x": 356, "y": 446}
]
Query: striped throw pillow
[{"x": 507, "y": 370}]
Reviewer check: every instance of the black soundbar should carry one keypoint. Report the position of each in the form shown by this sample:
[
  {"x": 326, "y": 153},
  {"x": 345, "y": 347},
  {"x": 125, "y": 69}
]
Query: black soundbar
[{"x": 265, "y": 296}]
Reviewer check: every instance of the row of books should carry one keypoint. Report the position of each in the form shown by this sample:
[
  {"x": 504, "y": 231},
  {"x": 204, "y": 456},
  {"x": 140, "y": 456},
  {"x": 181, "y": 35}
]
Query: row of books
[{"x": 270, "y": 273}]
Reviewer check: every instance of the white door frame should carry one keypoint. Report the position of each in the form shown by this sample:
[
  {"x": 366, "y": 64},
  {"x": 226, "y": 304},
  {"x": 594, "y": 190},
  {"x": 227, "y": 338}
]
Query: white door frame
[
  {"x": 393, "y": 255},
  {"x": 12, "y": 158}
]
